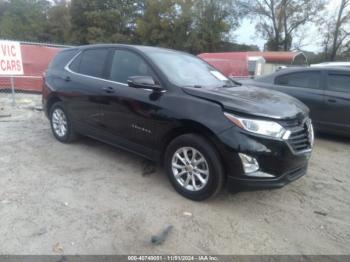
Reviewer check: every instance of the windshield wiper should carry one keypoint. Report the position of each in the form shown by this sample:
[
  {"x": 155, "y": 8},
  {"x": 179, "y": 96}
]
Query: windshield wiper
[
  {"x": 233, "y": 84},
  {"x": 194, "y": 86}
]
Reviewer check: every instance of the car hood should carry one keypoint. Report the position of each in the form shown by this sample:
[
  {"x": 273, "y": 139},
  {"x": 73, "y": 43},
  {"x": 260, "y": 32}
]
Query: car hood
[{"x": 253, "y": 101}]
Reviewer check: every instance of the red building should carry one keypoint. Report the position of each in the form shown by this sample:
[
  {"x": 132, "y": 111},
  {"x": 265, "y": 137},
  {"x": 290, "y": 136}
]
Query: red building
[{"x": 250, "y": 64}]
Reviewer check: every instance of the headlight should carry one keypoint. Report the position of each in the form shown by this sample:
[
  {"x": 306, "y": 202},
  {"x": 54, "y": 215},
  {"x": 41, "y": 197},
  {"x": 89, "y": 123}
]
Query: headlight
[{"x": 261, "y": 127}]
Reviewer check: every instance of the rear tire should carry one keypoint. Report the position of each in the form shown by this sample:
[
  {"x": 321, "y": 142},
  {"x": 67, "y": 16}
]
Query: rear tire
[
  {"x": 194, "y": 167},
  {"x": 61, "y": 124}
]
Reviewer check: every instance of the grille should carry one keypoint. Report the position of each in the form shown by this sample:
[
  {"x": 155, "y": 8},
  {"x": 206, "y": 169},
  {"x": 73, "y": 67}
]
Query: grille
[{"x": 301, "y": 134}]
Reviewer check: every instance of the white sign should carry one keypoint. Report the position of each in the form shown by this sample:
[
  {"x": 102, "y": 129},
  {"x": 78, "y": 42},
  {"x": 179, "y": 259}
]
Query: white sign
[{"x": 10, "y": 58}]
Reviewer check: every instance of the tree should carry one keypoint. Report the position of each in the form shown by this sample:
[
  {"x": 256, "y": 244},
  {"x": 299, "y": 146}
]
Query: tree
[
  {"x": 279, "y": 20},
  {"x": 24, "y": 19},
  {"x": 156, "y": 25},
  {"x": 4, "y": 5},
  {"x": 214, "y": 21},
  {"x": 58, "y": 24},
  {"x": 192, "y": 25},
  {"x": 335, "y": 27},
  {"x": 95, "y": 21},
  {"x": 233, "y": 47}
]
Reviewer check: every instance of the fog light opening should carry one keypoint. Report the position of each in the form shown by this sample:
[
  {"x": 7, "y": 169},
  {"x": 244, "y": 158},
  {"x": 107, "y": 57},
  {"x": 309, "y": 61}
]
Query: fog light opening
[
  {"x": 250, "y": 164},
  {"x": 251, "y": 167}
]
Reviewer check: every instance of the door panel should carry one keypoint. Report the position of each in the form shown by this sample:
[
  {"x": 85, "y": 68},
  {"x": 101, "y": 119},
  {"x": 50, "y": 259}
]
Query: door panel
[
  {"x": 84, "y": 77},
  {"x": 337, "y": 97},
  {"x": 84, "y": 101},
  {"x": 308, "y": 87},
  {"x": 129, "y": 113}
]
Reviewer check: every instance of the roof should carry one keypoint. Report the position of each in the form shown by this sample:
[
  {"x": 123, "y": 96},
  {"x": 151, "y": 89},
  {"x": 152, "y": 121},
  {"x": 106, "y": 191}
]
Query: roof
[
  {"x": 138, "y": 47},
  {"x": 300, "y": 69},
  {"x": 307, "y": 69},
  {"x": 278, "y": 57},
  {"x": 270, "y": 57},
  {"x": 332, "y": 64},
  {"x": 291, "y": 70}
]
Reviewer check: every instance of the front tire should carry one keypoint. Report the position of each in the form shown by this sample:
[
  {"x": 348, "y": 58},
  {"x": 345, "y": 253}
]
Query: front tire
[
  {"x": 194, "y": 167},
  {"x": 61, "y": 124}
]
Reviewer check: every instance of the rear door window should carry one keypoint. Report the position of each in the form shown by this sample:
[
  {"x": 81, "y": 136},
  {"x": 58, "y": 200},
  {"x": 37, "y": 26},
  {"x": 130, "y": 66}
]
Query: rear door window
[
  {"x": 91, "y": 62},
  {"x": 339, "y": 82},
  {"x": 301, "y": 79}
]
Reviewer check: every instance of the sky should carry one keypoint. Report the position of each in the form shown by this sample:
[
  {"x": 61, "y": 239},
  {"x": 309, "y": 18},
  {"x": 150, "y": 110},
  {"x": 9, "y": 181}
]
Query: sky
[{"x": 246, "y": 32}]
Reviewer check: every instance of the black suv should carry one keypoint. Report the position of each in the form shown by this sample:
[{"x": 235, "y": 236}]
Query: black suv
[{"x": 173, "y": 107}]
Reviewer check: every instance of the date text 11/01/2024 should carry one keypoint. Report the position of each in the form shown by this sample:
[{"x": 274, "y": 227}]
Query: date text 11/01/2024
[{"x": 173, "y": 258}]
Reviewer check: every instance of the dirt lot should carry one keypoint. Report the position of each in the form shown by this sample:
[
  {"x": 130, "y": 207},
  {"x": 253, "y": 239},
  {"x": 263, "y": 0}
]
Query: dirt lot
[{"x": 90, "y": 198}]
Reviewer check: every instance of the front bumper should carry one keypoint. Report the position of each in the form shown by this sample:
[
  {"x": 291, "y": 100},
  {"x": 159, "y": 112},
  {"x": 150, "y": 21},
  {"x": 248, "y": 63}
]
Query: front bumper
[
  {"x": 275, "y": 157},
  {"x": 266, "y": 183}
]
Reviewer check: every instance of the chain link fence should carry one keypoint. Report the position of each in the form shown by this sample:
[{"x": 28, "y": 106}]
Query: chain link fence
[
  {"x": 17, "y": 92},
  {"x": 7, "y": 91},
  {"x": 25, "y": 91}
]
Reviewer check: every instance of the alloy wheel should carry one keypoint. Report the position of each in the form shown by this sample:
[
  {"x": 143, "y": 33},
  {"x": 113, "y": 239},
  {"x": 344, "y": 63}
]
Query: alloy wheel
[
  {"x": 190, "y": 168},
  {"x": 59, "y": 122}
]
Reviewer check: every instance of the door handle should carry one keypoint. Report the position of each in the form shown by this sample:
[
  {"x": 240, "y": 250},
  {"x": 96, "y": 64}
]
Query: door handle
[
  {"x": 67, "y": 79},
  {"x": 332, "y": 101},
  {"x": 109, "y": 90}
]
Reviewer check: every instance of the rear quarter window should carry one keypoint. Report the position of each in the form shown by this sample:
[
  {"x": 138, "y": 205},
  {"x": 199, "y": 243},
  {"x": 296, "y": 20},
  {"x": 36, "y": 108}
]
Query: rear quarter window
[
  {"x": 92, "y": 62},
  {"x": 62, "y": 59},
  {"x": 75, "y": 65}
]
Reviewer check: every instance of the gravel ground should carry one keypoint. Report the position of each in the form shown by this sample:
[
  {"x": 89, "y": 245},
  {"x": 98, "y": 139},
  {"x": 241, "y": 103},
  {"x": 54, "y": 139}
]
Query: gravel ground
[{"x": 90, "y": 198}]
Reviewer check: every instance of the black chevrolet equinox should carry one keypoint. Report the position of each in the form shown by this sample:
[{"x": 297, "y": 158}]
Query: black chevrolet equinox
[{"x": 172, "y": 107}]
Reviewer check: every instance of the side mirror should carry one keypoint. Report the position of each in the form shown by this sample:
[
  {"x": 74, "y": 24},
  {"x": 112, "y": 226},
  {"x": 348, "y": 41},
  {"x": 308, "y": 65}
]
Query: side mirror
[{"x": 146, "y": 82}]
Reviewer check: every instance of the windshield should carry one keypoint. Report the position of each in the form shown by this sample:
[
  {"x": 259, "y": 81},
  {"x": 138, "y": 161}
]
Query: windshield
[{"x": 186, "y": 70}]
